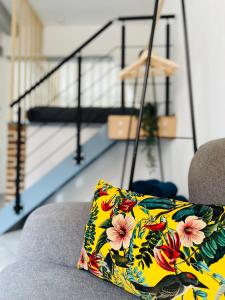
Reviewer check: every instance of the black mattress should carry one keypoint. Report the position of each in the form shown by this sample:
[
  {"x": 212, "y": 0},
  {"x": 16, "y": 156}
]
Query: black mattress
[{"x": 95, "y": 115}]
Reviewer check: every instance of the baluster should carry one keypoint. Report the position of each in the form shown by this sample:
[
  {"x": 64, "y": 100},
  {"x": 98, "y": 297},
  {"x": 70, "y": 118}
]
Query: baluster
[
  {"x": 18, "y": 206},
  {"x": 78, "y": 156}
]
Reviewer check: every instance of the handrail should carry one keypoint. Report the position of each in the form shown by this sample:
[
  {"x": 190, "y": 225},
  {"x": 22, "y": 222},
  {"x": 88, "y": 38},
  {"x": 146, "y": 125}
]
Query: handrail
[
  {"x": 83, "y": 45},
  {"x": 65, "y": 60},
  {"x": 77, "y": 52},
  {"x": 140, "y": 18}
]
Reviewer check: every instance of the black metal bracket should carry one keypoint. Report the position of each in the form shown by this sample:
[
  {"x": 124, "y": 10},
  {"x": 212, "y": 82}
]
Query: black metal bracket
[
  {"x": 79, "y": 157},
  {"x": 149, "y": 17}
]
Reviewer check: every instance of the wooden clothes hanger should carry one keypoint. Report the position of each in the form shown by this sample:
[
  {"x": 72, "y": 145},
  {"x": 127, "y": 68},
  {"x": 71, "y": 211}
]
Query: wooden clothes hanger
[{"x": 159, "y": 65}]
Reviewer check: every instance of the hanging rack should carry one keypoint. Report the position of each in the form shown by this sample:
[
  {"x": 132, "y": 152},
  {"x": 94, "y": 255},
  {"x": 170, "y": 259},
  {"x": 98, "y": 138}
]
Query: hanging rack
[
  {"x": 167, "y": 67},
  {"x": 159, "y": 65}
]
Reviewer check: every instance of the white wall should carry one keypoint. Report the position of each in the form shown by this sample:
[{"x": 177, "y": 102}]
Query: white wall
[
  {"x": 3, "y": 120},
  {"x": 61, "y": 40},
  {"x": 207, "y": 46}
]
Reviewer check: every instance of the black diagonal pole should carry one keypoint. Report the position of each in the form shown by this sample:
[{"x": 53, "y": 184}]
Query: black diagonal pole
[
  {"x": 188, "y": 63},
  {"x": 129, "y": 132},
  {"x": 143, "y": 94},
  {"x": 167, "y": 112},
  {"x": 123, "y": 55},
  {"x": 157, "y": 137}
]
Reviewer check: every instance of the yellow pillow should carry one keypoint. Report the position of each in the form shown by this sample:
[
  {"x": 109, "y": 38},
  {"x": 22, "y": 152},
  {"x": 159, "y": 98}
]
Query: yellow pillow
[{"x": 155, "y": 248}]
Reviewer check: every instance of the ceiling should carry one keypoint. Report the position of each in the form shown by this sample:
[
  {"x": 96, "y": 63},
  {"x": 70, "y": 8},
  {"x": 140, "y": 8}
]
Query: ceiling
[{"x": 72, "y": 12}]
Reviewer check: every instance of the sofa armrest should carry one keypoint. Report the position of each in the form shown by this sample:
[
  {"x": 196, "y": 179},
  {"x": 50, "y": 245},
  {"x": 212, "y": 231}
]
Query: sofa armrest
[
  {"x": 53, "y": 233},
  {"x": 207, "y": 174}
]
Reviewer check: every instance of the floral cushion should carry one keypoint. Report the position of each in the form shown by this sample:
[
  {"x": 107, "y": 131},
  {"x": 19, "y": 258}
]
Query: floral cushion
[{"x": 155, "y": 248}]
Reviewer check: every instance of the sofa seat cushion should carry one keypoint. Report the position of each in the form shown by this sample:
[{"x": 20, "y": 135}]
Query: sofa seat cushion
[
  {"x": 54, "y": 232},
  {"x": 46, "y": 281}
]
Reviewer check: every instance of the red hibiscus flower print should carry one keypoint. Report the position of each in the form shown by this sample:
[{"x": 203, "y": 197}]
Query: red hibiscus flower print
[
  {"x": 94, "y": 264},
  {"x": 190, "y": 231},
  {"x": 166, "y": 255},
  {"x": 127, "y": 205},
  {"x": 121, "y": 232}
]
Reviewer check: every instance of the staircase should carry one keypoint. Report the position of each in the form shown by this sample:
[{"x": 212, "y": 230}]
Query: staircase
[
  {"x": 83, "y": 110},
  {"x": 55, "y": 179}
]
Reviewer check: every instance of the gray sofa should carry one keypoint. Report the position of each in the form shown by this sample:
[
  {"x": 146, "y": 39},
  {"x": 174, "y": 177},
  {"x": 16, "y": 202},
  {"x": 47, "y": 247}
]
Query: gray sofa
[{"x": 52, "y": 237}]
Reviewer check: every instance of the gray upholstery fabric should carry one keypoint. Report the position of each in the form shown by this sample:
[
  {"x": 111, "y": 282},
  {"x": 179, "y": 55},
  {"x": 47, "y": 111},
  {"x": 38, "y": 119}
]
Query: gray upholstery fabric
[
  {"x": 54, "y": 233},
  {"x": 46, "y": 267},
  {"x": 52, "y": 237},
  {"x": 207, "y": 174},
  {"x": 27, "y": 280}
]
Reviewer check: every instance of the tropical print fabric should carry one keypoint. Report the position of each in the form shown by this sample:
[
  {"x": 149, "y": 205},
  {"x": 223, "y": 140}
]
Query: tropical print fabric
[{"x": 155, "y": 248}]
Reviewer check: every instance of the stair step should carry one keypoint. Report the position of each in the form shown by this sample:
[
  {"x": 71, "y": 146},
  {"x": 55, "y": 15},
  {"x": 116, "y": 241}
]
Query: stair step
[
  {"x": 11, "y": 178},
  {"x": 13, "y": 152},
  {"x": 12, "y": 160},
  {"x": 12, "y": 172}
]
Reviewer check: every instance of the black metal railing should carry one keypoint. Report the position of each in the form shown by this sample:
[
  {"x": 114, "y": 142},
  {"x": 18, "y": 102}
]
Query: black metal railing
[
  {"x": 76, "y": 53},
  {"x": 79, "y": 156}
]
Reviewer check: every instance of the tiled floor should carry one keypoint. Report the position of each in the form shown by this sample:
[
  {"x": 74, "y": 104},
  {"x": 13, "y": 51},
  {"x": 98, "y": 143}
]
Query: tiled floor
[
  {"x": 8, "y": 248},
  {"x": 8, "y": 245}
]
